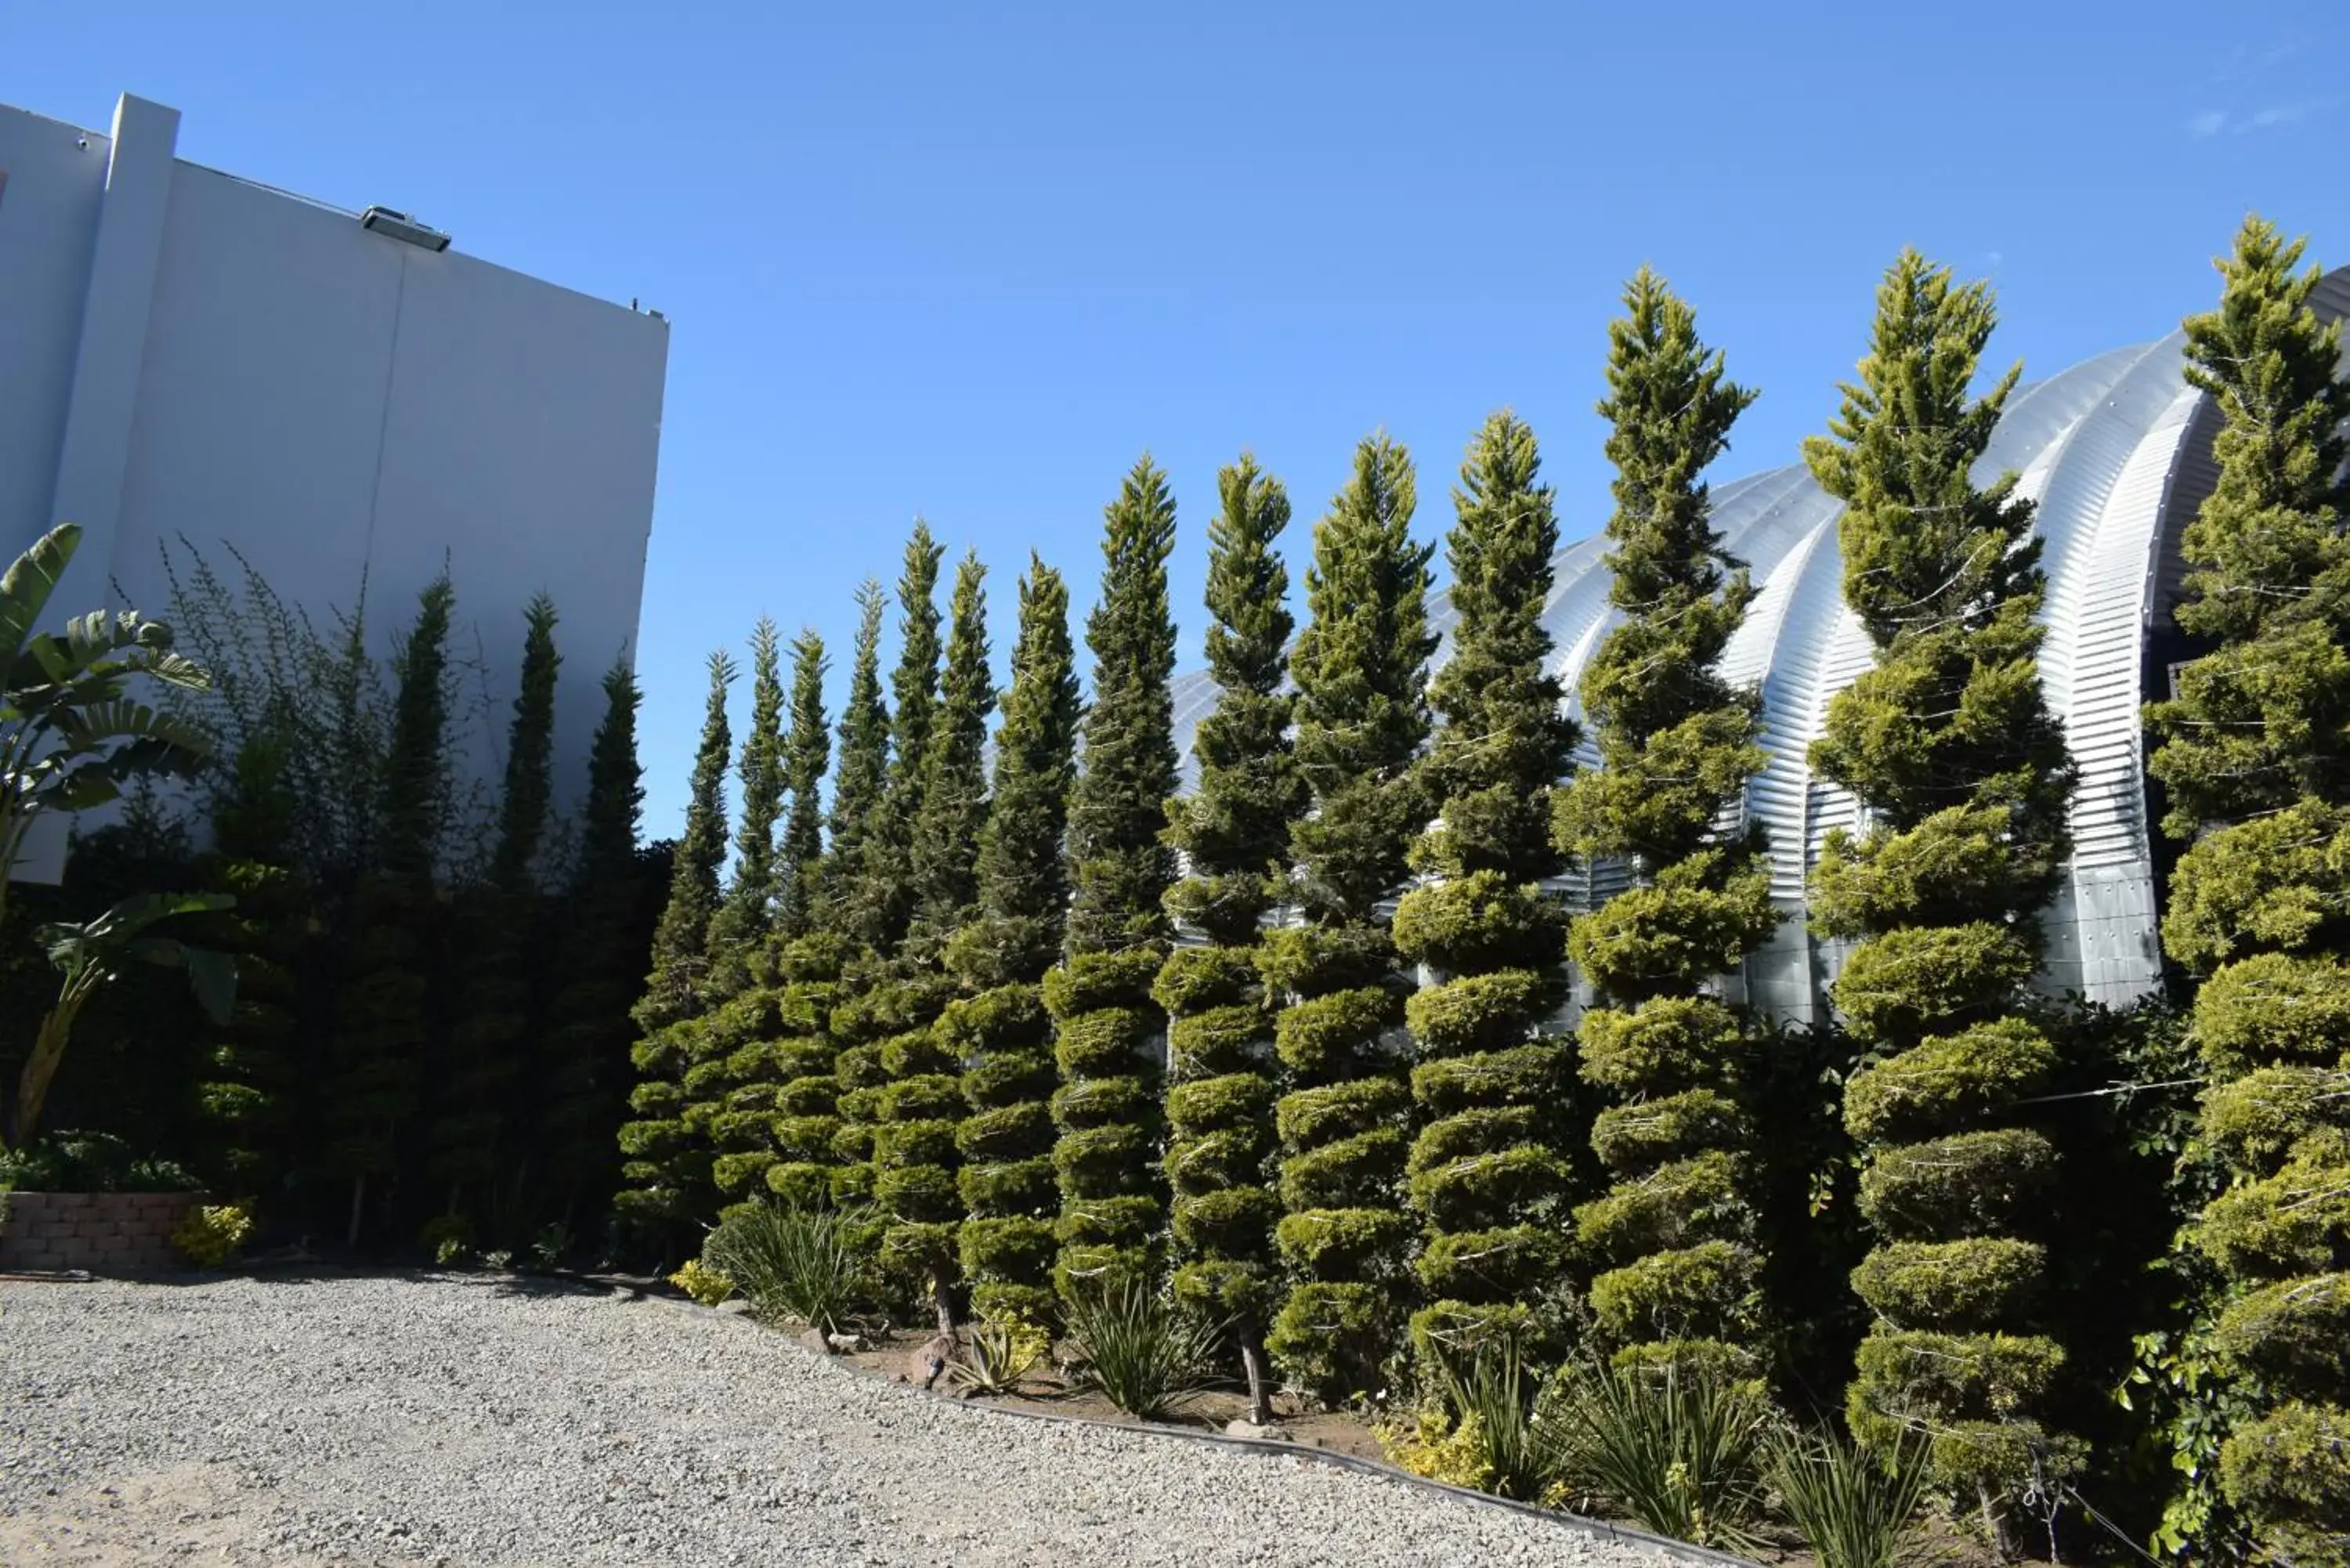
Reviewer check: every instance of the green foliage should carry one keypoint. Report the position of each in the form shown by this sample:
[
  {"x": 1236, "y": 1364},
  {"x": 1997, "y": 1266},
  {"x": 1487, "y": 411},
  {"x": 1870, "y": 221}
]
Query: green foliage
[
  {"x": 881, "y": 904},
  {"x": 808, "y": 1265},
  {"x": 210, "y": 1234},
  {"x": 1851, "y": 1505},
  {"x": 1683, "y": 1452},
  {"x": 1141, "y": 1353},
  {"x": 1488, "y": 1164},
  {"x": 863, "y": 767},
  {"x": 747, "y": 912},
  {"x": 955, "y": 805},
  {"x": 999, "y": 1358},
  {"x": 1949, "y": 744}
]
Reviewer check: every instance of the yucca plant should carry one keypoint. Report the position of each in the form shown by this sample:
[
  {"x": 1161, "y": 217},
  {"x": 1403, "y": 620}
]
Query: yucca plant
[
  {"x": 1140, "y": 1351},
  {"x": 1851, "y": 1505},
  {"x": 1680, "y": 1450},
  {"x": 803, "y": 1263},
  {"x": 1507, "y": 1418},
  {"x": 998, "y": 1359}
]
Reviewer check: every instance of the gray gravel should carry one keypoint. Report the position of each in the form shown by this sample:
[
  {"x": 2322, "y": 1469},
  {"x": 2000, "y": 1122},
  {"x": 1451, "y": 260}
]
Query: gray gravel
[{"x": 486, "y": 1424}]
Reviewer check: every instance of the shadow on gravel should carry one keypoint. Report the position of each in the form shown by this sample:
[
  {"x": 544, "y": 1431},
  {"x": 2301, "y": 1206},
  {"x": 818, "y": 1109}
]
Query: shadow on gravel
[{"x": 314, "y": 1271}]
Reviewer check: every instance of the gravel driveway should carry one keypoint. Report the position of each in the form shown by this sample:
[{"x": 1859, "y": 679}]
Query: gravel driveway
[{"x": 486, "y": 1425}]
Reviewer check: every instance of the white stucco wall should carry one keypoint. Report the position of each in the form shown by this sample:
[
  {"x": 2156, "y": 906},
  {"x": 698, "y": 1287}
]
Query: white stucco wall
[{"x": 191, "y": 354}]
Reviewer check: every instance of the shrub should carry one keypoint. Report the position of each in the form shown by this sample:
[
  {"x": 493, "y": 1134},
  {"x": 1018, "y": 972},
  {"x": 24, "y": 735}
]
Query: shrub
[
  {"x": 1851, "y": 1506},
  {"x": 1490, "y": 1434},
  {"x": 813, "y": 1265},
  {"x": 703, "y": 1283},
  {"x": 1680, "y": 1450},
  {"x": 1000, "y": 1357},
  {"x": 1141, "y": 1353},
  {"x": 210, "y": 1234}
]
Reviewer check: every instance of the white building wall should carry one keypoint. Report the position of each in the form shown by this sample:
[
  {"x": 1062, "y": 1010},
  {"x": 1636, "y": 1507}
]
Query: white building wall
[{"x": 193, "y": 355}]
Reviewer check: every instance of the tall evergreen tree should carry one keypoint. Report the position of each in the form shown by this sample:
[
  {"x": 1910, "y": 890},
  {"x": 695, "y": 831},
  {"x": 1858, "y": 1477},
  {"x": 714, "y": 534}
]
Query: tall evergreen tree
[
  {"x": 1000, "y": 1030},
  {"x": 1488, "y": 1173},
  {"x": 864, "y": 763},
  {"x": 1676, "y": 745},
  {"x": 383, "y": 1009},
  {"x": 1100, "y": 999},
  {"x": 251, "y": 1091},
  {"x": 472, "y": 1147},
  {"x": 2254, "y": 755},
  {"x": 1361, "y": 670},
  {"x": 884, "y": 899},
  {"x": 748, "y": 911},
  {"x": 584, "y": 1068},
  {"x": 914, "y": 1149},
  {"x": 1234, "y": 831},
  {"x": 664, "y": 1168},
  {"x": 1948, "y": 744},
  {"x": 807, "y": 753}
]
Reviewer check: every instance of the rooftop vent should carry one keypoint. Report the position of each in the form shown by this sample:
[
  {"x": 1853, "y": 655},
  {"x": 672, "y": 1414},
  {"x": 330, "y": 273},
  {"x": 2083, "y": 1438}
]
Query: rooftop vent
[{"x": 401, "y": 227}]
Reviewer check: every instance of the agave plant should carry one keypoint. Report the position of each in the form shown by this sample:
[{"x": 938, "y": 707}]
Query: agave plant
[{"x": 998, "y": 1359}]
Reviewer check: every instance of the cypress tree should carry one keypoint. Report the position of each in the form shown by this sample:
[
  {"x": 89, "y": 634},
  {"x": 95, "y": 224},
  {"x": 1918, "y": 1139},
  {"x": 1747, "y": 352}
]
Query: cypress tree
[
  {"x": 886, "y": 895},
  {"x": 487, "y": 1039},
  {"x": 1100, "y": 998},
  {"x": 383, "y": 1009},
  {"x": 250, "y": 1092},
  {"x": 1676, "y": 745},
  {"x": 914, "y": 1152},
  {"x": 807, "y": 753},
  {"x": 2254, "y": 755},
  {"x": 857, "y": 793},
  {"x": 663, "y": 1168},
  {"x": 748, "y": 911},
  {"x": 584, "y": 1067},
  {"x": 1000, "y": 1030},
  {"x": 1949, "y": 746},
  {"x": 1361, "y": 667},
  {"x": 1234, "y": 831},
  {"x": 864, "y": 763},
  {"x": 1488, "y": 1176}
]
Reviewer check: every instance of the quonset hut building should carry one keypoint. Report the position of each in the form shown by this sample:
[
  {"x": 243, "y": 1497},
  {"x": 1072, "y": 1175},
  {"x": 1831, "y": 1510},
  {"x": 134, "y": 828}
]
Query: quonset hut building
[{"x": 2117, "y": 453}]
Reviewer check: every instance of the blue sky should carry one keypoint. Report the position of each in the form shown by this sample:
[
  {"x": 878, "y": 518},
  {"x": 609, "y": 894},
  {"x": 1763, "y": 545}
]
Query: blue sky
[{"x": 969, "y": 261}]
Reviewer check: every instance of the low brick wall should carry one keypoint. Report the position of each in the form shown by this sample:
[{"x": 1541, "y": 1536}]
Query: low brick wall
[{"x": 104, "y": 1232}]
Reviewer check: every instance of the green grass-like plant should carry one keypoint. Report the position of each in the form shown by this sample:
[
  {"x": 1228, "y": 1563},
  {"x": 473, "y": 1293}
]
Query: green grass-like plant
[
  {"x": 1504, "y": 1417},
  {"x": 1682, "y": 1451},
  {"x": 814, "y": 1266},
  {"x": 1851, "y": 1506},
  {"x": 1140, "y": 1351}
]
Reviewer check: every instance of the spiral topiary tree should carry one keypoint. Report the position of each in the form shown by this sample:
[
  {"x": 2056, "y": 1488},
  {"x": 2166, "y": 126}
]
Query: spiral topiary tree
[
  {"x": 1950, "y": 747},
  {"x": 1487, "y": 1175},
  {"x": 1360, "y": 670},
  {"x": 805, "y": 1115},
  {"x": 999, "y": 1032},
  {"x": 1104, "y": 1023},
  {"x": 2256, "y": 762},
  {"x": 661, "y": 1165},
  {"x": 1234, "y": 831},
  {"x": 914, "y": 1151},
  {"x": 1677, "y": 746}
]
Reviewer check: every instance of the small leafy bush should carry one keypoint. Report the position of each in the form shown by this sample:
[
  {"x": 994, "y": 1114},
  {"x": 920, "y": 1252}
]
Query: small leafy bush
[
  {"x": 1682, "y": 1451},
  {"x": 89, "y": 1162},
  {"x": 1501, "y": 1420},
  {"x": 702, "y": 1282},
  {"x": 812, "y": 1265},
  {"x": 1140, "y": 1351},
  {"x": 1851, "y": 1506},
  {"x": 210, "y": 1234}
]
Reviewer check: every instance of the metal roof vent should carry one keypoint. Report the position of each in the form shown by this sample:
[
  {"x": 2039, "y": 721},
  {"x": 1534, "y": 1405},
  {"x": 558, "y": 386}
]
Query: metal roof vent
[{"x": 401, "y": 226}]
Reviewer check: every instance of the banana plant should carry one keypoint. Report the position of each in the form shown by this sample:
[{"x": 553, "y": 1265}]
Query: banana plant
[
  {"x": 71, "y": 737},
  {"x": 92, "y": 953}
]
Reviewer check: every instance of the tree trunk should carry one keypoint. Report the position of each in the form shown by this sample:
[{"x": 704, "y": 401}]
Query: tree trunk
[
  {"x": 359, "y": 1204},
  {"x": 1253, "y": 1363},
  {"x": 943, "y": 1300}
]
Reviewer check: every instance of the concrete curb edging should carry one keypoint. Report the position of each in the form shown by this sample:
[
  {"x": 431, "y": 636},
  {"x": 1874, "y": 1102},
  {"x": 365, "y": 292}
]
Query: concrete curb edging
[{"x": 1598, "y": 1529}]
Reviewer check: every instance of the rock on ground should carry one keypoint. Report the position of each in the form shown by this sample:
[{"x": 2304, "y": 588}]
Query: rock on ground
[{"x": 487, "y": 1424}]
